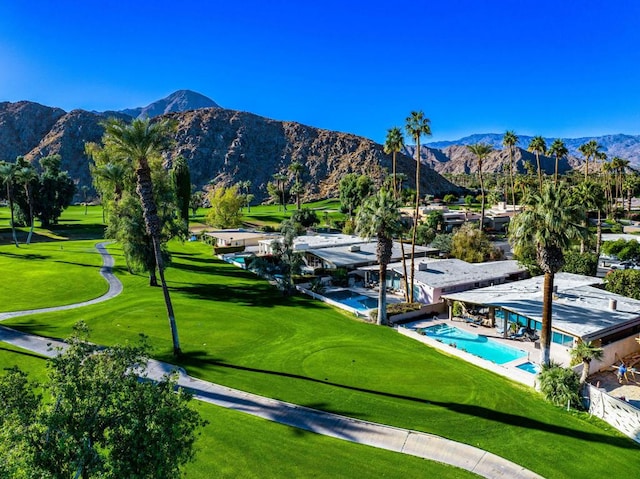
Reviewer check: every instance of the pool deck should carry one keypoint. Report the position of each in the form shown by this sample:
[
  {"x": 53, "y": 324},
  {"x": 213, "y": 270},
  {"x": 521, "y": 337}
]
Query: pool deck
[
  {"x": 629, "y": 389},
  {"x": 509, "y": 370}
]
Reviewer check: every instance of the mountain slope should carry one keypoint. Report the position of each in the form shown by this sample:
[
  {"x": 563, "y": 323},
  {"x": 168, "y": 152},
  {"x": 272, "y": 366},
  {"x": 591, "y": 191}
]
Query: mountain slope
[{"x": 181, "y": 100}]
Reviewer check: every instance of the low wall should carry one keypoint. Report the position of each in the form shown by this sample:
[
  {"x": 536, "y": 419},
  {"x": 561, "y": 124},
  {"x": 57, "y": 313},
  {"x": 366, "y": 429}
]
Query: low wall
[
  {"x": 614, "y": 352},
  {"x": 426, "y": 310},
  {"x": 620, "y": 414}
]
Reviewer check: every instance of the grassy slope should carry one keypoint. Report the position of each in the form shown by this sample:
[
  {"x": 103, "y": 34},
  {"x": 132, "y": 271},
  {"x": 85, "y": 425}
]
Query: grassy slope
[{"x": 238, "y": 331}]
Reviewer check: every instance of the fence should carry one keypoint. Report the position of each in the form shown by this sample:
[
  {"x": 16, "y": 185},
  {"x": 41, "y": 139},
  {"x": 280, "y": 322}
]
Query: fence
[{"x": 620, "y": 414}]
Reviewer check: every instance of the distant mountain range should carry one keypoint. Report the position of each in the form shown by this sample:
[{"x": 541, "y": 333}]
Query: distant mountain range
[
  {"x": 624, "y": 146},
  {"x": 220, "y": 145}
]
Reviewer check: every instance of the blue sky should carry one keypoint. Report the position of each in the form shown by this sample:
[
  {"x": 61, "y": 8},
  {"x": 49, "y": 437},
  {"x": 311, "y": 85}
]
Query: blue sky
[{"x": 555, "y": 68}]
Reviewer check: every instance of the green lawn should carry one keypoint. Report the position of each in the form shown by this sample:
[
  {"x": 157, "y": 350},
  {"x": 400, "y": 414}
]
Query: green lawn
[{"x": 237, "y": 330}]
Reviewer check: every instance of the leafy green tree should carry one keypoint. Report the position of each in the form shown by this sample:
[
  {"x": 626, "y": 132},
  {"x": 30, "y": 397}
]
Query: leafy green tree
[
  {"x": 197, "y": 201},
  {"x": 182, "y": 184},
  {"x": 226, "y": 205},
  {"x": 471, "y": 245},
  {"x": 103, "y": 421},
  {"x": 425, "y": 234},
  {"x": 625, "y": 282},
  {"x": 306, "y": 217},
  {"x": 416, "y": 126},
  {"x": 139, "y": 143},
  {"x": 450, "y": 198},
  {"x": 559, "y": 150},
  {"x": 549, "y": 222},
  {"x": 580, "y": 263},
  {"x": 585, "y": 352},
  {"x": 379, "y": 218},
  {"x": 435, "y": 221},
  {"x": 538, "y": 147},
  {"x": 27, "y": 176},
  {"x": 560, "y": 386},
  {"x": 353, "y": 190},
  {"x": 481, "y": 151},
  {"x": 8, "y": 176},
  {"x": 443, "y": 242},
  {"x": 55, "y": 191},
  {"x": 509, "y": 140}
]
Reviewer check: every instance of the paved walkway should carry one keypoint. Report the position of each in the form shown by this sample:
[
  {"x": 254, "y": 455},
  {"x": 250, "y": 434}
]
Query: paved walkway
[{"x": 427, "y": 446}]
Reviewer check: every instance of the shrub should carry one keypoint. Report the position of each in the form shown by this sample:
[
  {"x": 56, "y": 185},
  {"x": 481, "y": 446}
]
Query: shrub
[{"x": 560, "y": 386}]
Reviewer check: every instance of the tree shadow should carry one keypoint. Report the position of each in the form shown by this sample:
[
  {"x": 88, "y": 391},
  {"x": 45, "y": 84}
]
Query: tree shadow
[
  {"x": 197, "y": 358},
  {"x": 23, "y": 353}
]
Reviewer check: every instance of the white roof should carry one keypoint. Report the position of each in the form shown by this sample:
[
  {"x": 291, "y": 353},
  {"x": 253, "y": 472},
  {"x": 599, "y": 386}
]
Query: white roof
[
  {"x": 442, "y": 273},
  {"x": 342, "y": 256},
  {"x": 579, "y": 308}
]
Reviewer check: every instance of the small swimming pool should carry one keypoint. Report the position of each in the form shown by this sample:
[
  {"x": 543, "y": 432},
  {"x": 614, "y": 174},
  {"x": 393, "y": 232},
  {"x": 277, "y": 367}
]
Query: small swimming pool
[
  {"x": 475, "y": 344},
  {"x": 352, "y": 299},
  {"x": 529, "y": 367}
]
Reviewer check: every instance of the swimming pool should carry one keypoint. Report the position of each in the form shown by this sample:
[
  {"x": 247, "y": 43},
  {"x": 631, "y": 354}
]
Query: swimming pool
[
  {"x": 475, "y": 344},
  {"x": 352, "y": 299},
  {"x": 529, "y": 367}
]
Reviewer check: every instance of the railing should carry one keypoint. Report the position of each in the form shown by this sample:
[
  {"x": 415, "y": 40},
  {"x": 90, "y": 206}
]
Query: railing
[{"x": 617, "y": 412}]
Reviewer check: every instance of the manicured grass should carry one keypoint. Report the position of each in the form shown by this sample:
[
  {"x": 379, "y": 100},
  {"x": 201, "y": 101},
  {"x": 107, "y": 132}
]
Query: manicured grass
[
  {"x": 234, "y": 445},
  {"x": 237, "y": 330}
]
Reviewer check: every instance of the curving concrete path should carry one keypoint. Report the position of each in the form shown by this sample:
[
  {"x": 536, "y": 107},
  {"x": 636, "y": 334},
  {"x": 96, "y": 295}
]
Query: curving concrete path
[{"x": 405, "y": 441}]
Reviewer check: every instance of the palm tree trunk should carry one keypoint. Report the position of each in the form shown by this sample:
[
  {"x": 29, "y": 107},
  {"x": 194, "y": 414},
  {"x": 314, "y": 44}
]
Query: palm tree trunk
[
  {"x": 599, "y": 233},
  {"x": 547, "y": 306},
  {"x": 513, "y": 184},
  {"x": 415, "y": 220},
  {"x": 482, "y": 201},
  {"x": 585, "y": 371},
  {"x": 29, "y": 200},
  {"x": 556, "y": 174},
  {"x": 144, "y": 189},
  {"x": 539, "y": 170},
  {"x": 13, "y": 222},
  {"x": 382, "y": 295},
  {"x": 393, "y": 169}
]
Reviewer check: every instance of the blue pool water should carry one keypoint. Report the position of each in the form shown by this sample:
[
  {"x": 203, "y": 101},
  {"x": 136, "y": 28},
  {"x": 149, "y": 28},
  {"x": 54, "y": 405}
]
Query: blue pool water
[
  {"x": 353, "y": 299},
  {"x": 529, "y": 367},
  {"x": 473, "y": 343}
]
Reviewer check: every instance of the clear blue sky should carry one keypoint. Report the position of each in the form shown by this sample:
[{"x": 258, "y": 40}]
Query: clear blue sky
[{"x": 556, "y": 68}]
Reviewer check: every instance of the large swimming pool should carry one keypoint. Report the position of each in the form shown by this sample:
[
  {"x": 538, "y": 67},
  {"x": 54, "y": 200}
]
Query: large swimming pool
[
  {"x": 475, "y": 344},
  {"x": 352, "y": 299}
]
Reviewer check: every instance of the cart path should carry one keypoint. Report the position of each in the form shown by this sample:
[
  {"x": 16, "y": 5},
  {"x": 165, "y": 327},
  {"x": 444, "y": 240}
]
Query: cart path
[{"x": 405, "y": 441}]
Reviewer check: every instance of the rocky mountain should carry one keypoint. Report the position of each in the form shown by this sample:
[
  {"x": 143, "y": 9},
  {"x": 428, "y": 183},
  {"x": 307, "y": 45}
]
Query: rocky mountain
[
  {"x": 624, "y": 146},
  {"x": 181, "y": 100},
  {"x": 457, "y": 159},
  {"x": 223, "y": 145}
]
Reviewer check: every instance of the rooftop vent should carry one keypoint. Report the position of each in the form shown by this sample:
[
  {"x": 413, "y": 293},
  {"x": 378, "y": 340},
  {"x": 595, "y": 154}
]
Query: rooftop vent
[
  {"x": 423, "y": 266},
  {"x": 613, "y": 304},
  {"x": 354, "y": 248}
]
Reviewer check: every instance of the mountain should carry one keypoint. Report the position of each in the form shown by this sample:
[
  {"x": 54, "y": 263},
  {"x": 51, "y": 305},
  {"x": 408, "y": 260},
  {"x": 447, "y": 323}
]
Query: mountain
[
  {"x": 624, "y": 146},
  {"x": 181, "y": 100},
  {"x": 222, "y": 145}
]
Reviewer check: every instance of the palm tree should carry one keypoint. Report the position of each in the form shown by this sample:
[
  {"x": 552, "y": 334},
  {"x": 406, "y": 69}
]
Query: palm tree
[
  {"x": 25, "y": 175},
  {"x": 379, "y": 217},
  {"x": 509, "y": 140},
  {"x": 416, "y": 126},
  {"x": 138, "y": 143},
  {"x": 549, "y": 222},
  {"x": 280, "y": 182},
  {"x": 590, "y": 150},
  {"x": 393, "y": 145},
  {"x": 538, "y": 147},
  {"x": 590, "y": 196},
  {"x": 481, "y": 150},
  {"x": 559, "y": 150},
  {"x": 297, "y": 168},
  {"x": 7, "y": 177},
  {"x": 585, "y": 352}
]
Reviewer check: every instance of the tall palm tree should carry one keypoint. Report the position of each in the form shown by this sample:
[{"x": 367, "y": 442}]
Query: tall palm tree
[
  {"x": 482, "y": 151},
  {"x": 8, "y": 177},
  {"x": 416, "y": 126},
  {"x": 379, "y": 218},
  {"x": 589, "y": 150},
  {"x": 559, "y": 150},
  {"x": 394, "y": 144},
  {"x": 139, "y": 143},
  {"x": 538, "y": 147},
  {"x": 25, "y": 175},
  {"x": 585, "y": 352},
  {"x": 549, "y": 222},
  {"x": 297, "y": 168},
  {"x": 590, "y": 196},
  {"x": 509, "y": 140},
  {"x": 281, "y": 179}
]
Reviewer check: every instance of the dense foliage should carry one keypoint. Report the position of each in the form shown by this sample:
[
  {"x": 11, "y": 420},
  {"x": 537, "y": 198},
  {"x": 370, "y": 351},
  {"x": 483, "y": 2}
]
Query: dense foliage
[
  {"x": 580, "y": 263},
  {"x": 561, "y": 386},
  {"x": 353, "y": 190},
  {"x": 623, "y": 281}
]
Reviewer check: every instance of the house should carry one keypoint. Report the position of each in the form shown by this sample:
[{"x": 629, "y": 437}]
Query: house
[
  {"x": 236, "y": 237},
  {"x": 582, "y": 311},
  {"x": 435, "y": 277},
  {"x": 312, "y": 241}
]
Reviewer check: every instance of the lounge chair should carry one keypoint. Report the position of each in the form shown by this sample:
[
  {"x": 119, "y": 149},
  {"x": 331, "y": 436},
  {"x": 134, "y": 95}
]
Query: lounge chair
[{"x": 471, "y": 320}]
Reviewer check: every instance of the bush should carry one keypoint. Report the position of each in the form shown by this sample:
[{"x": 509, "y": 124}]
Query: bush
[
  {"x": 560, "y": 386},
  {"x": 227, "y": 249}
]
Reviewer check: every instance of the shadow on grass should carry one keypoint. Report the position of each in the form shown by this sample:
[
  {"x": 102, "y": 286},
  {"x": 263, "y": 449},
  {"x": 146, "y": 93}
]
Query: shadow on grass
[
  {"x": 198, "y": 358},
  {"x": 28, "y": 256},
  {"x": 24, "y": 353},
  {"x": 254, "y": 295}
]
